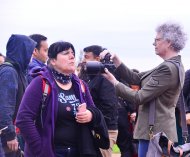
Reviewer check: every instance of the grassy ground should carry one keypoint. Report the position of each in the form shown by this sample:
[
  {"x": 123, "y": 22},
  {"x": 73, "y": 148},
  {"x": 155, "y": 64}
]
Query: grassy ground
[{"x": 116, "y": 149}]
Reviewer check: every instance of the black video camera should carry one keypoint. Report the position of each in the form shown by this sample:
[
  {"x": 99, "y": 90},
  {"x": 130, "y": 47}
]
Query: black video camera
[{"x": 95, "y": 67}]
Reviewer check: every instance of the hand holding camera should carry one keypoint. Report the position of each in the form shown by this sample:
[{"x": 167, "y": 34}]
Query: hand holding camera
[
  {"x": 113, "y": 57},
  {"x": 96, "y": 67}
]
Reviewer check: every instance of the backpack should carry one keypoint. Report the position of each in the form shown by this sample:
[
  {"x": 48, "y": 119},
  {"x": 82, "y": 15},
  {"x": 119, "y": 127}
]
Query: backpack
[{"x": 46, "y": 90}]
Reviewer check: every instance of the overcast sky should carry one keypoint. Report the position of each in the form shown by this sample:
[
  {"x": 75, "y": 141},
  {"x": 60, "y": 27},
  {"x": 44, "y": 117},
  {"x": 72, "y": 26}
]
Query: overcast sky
[{"x": 125, "y": 27}]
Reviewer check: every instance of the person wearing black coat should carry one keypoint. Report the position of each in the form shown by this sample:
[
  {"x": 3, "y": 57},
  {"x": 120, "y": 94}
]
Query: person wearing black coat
[
  {"x": 103, "y": 95},
  {"x": 186, "y": 92}
]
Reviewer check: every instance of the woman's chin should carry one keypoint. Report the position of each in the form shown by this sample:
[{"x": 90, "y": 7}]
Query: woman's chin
[{"x": 71, "y": 71}]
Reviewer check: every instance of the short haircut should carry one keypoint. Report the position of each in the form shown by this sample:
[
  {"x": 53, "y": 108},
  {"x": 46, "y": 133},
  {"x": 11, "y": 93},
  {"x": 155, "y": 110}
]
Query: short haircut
[
  {"x": 58, "y": 47},
  {"x": 95, "y": 49},
  {"x": 38, "y": 38}
]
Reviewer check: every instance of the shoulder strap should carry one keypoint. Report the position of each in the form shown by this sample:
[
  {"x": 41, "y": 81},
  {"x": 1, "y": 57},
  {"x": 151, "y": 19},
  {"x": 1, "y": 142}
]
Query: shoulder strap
[
  {"x": 46, "y": 91},
  {"x": 181, "y": 103},
  {"x": 5, "y": 64},
  {"x": 151, "y": 117}
]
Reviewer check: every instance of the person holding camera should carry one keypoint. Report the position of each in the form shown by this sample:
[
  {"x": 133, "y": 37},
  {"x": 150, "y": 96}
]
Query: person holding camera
[
  {"x": 103, "y": 94},
  {"x": 160, "y": 85}
]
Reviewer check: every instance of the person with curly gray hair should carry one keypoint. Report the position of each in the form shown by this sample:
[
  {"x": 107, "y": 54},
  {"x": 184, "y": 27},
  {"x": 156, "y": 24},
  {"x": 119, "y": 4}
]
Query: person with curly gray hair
[
  {"x": 172, "y": 33},
  {"x": 161, "y": 85}
]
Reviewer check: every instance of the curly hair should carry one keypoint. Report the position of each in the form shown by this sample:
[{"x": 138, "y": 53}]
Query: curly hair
[{"x": 173, "y": 32}]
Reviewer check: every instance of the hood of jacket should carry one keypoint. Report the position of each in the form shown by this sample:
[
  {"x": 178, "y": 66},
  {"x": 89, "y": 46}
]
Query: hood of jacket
[{"x": 19, "y": 50}]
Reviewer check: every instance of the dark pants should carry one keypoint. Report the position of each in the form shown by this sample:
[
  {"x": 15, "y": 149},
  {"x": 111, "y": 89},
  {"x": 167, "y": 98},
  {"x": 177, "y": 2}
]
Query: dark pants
[
  {"x": 125, "y": 140},
  {"x": 62, "y": 151},
  {"x": 179, "y": 130}
]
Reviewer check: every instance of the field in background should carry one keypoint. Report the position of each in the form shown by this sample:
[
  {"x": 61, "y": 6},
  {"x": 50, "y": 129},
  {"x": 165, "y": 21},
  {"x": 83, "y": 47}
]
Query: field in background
[{"x": 116, "y": 149}]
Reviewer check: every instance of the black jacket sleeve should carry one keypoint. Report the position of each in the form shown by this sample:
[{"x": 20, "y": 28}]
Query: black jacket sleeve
[
  {"x": 100, "y": 129},
  {"x": 105, "y": 99},
  {"x": 186, "y": 90}
]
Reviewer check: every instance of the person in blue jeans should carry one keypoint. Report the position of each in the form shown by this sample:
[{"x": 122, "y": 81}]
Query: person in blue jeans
[
  {"x": 143, "y": 147},
  {"x": 161, "y": 85}
]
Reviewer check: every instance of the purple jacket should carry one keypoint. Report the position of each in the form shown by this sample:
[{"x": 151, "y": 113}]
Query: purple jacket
[{"x": 39, "y": 141}]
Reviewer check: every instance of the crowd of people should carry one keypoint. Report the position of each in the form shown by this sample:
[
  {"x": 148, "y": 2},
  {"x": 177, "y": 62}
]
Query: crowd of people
[{"x": 47, "y": 109}]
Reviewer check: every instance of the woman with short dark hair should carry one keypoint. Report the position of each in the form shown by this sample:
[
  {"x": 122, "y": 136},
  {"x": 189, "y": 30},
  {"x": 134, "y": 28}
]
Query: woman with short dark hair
[{"x": 64, "y": 127}]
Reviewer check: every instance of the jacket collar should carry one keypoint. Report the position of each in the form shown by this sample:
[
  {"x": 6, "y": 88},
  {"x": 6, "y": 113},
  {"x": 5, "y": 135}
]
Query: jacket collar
[{"x": 176, "y": 59}]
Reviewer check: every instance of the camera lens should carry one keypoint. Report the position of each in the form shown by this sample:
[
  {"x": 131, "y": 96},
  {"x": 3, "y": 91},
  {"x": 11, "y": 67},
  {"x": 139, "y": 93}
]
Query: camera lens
[{"x": 94, "y": 67}]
